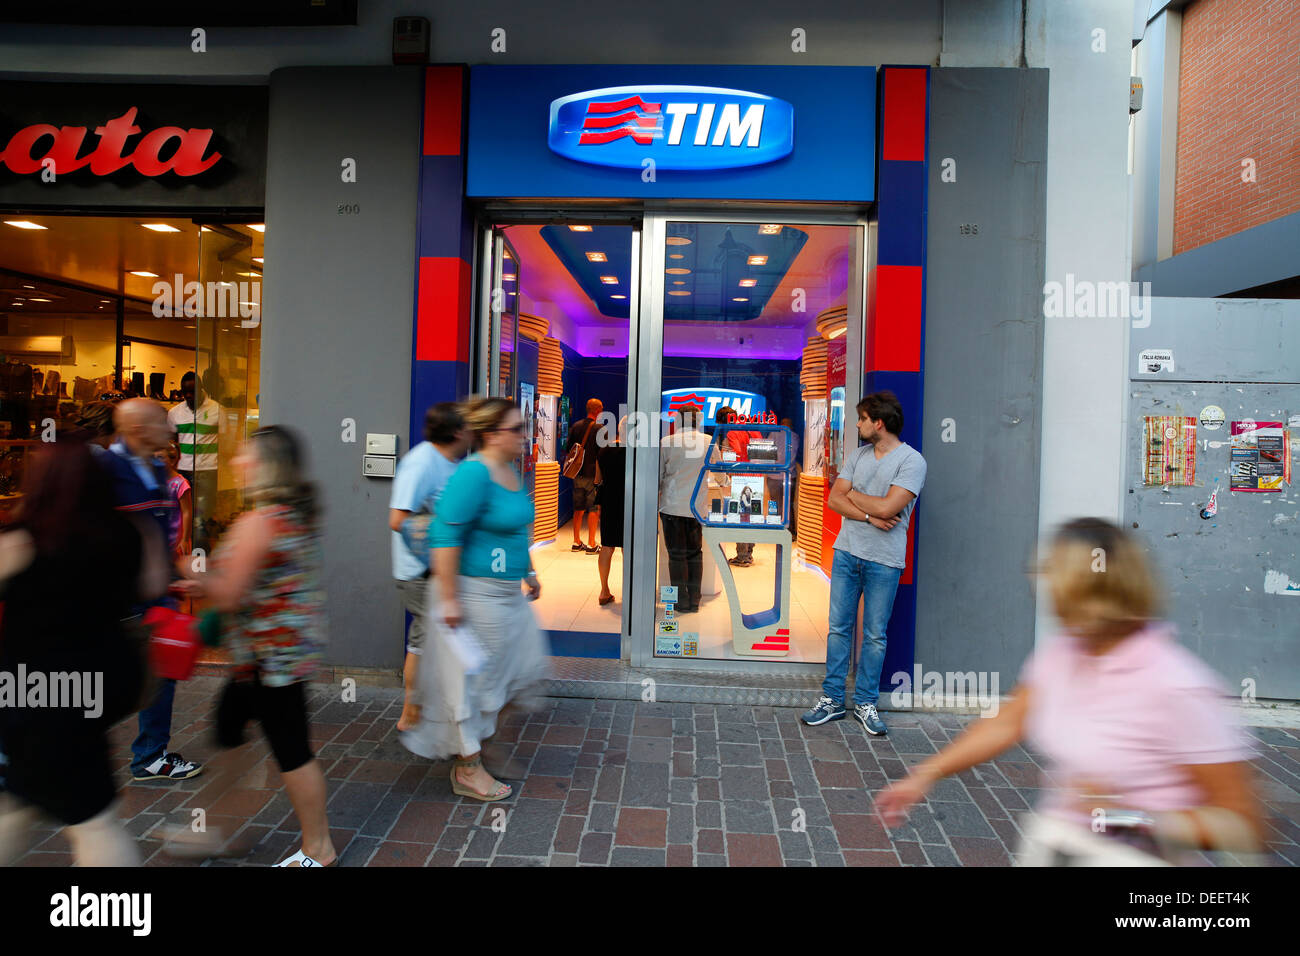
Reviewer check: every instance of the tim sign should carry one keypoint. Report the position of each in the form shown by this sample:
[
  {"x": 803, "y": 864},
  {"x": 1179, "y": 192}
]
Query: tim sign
[
  {"x": 679, "y": 127},
  {"x": 711, "y": 399}
]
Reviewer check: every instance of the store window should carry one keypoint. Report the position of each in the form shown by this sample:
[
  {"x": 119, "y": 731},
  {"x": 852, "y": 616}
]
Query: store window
[{"x": 754, "y": 371}]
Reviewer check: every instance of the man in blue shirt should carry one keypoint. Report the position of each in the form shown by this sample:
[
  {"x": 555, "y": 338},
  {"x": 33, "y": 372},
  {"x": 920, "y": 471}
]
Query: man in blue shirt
[
  {"x": 420, "y": 476},
  {"x": 140, "y": 487}
]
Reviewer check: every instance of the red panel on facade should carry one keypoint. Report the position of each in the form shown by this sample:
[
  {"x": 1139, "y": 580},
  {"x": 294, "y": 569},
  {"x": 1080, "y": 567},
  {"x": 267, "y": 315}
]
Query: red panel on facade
[
  {"x": 902, "y": 133},
  {"x": 443, "y": 98},
  {"x": 894, "y": 337},
  {"x": 442, "y": 316}
]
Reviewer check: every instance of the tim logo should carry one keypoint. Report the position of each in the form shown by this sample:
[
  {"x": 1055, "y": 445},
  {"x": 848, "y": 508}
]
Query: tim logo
[
  {"x": 679, "y": 127},
  {"x": 780, "y": 641}
]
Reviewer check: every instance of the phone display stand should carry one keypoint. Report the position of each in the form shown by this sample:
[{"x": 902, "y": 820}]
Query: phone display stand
[{"x": 763, "y": 633}]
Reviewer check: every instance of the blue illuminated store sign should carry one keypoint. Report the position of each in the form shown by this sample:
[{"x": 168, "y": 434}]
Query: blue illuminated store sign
[
  {"x": 672, "y": 132},
  {"x": 746, "y": 404},
  {"x": 673, "y": 127}
]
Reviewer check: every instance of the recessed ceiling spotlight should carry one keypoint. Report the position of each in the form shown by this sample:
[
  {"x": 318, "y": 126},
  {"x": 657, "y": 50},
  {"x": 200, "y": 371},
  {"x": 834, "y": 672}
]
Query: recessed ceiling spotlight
[
  {"x": 609, "y": 280},
  {"x": 580, "y": 228},
  {"x": 597, "y": 257},
  {"x": 748, "y": 283},
  {"x": 261, "y": 226},
  {"x": 739, "y": 298},
  {"x": 770, "y": 229},
  {"x": 618, "y": 296},
  {"x": 757, "y": 260},
  {"x": 39, "y": 300},
  {"x": 145, "y": 275},
  {"x": 678, "y": 272},
  {"x": 678, "y": 292},
  {"x": 677, "y": 241},
  {"x": 24, "y": 224},
  {"x": 159, "y": 227}
]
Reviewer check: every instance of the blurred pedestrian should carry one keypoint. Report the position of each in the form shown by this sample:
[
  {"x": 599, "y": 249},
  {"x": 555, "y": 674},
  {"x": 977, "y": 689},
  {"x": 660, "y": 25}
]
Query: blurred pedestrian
[
  {"x": 140, "y": 487},
  {"x": 1139, "y": 739},
  {"x": 487, "y": 648},
  {"x": 265, "y": 575},
  {"x": 421, "y": 474},
  {"x": 59, "y": 761}
]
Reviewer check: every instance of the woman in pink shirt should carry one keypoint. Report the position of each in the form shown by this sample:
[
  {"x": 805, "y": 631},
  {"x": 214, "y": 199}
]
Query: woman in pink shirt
[{"x": 1145, "y": 762}]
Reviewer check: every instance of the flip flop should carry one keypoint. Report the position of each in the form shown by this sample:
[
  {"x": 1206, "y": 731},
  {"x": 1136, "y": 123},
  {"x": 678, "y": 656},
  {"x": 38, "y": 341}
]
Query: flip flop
[
  {"x": 303, "y": 860},
  {"x": 503, "y": 790}
]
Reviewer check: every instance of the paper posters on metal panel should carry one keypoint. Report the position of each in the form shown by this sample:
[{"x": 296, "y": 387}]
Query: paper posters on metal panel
[
  {"x": 1260, "y": 456},
  {"x": 1169, "y": 443}
]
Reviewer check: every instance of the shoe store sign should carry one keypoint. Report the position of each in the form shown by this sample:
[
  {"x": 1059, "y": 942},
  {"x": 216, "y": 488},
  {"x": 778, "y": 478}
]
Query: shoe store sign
[{"x": 111, "y": 144}]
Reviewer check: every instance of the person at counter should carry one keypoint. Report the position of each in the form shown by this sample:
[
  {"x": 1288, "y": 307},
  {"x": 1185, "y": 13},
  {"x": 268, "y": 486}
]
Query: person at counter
[{"x": 681, "y": 457}]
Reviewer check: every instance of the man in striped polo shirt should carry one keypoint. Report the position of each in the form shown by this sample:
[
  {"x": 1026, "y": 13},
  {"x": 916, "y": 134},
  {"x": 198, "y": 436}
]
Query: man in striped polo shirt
[{"x": 196, "y": 421}]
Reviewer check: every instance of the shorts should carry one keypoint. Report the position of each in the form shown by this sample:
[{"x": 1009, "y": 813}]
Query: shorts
[
  {"x": 282, "y": 712},
  {"x": 412, "y": 593},
  {"x": 584, "y": 494}
]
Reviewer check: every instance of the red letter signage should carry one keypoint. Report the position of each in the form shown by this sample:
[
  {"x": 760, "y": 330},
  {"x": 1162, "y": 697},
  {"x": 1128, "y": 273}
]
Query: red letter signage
[{"x": 107, "y": 156}]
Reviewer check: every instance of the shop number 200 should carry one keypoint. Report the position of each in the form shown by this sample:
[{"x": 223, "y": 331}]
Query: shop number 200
[{"x": 349, "y": 208}]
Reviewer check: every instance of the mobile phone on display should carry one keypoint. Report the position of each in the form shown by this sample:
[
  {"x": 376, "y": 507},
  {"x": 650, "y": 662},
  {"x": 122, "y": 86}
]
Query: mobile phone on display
[
  {"x": 715, "y": 506},
  {"x": 735, "y": 507},
  {"x": 756, "y": 507}
]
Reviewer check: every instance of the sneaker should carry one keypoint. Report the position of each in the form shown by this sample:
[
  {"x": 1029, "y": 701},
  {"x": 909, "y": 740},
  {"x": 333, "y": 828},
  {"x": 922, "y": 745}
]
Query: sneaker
[
  {"x": 825, "y": 711},
  {"x": 578, "y": 547},
  {"x": 740, "y": 562},
  {"x": 866, "y": 715},
  {"x": 170, "y": 766},
  {"x": 592, "y": 549}
]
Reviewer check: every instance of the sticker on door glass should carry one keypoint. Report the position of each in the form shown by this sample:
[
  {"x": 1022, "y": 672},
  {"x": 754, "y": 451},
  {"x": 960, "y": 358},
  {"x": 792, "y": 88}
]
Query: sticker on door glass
[{"x": 668, "y": 593}]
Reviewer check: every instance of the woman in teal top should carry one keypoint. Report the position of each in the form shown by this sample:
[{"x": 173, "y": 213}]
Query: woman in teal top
[{"x": 488, "y": 649}]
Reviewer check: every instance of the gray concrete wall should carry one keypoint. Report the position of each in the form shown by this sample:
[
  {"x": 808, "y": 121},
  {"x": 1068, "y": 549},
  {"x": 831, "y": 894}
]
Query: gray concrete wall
[
  {"x": 1244, "y": 356},
  {"x": 983, "y": 370},
  {"x": 337, "y": 310}
]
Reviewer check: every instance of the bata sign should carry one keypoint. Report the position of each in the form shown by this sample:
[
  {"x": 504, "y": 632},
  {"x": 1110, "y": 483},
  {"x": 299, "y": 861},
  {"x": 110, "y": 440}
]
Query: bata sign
[{"x": 60, "y": 150}]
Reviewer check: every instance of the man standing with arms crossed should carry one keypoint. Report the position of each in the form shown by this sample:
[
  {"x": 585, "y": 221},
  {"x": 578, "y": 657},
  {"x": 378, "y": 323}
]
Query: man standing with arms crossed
[{"x": 875, "y": 493}]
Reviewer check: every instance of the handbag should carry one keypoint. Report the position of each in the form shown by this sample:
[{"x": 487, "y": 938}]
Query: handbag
[
  {"x": 577, "y": 455},
  {"x": 174, "y": 642}
]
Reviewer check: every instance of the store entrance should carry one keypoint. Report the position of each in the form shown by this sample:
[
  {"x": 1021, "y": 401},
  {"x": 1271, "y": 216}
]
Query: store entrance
[{"x": 712, "y": 541}]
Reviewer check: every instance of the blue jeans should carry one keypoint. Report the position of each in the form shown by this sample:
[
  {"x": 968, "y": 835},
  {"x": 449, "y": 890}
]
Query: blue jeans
[
  {"x": 155, "y": 727},
  {"x": 876, "y": 584}
]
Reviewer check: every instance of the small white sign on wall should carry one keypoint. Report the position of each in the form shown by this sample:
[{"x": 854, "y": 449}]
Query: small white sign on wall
[{"x": 1154, "y": 361}]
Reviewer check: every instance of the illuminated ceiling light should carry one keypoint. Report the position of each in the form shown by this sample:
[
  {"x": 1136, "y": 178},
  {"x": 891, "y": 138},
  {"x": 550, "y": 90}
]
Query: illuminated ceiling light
[
  {"x": 201, "y": 229},
  {"x": 252, "y": 274},
  {"x": 508, "y": 276},
  {"x": 739, "y": 298},
  {"x": 103, "y": 300},
  {"x": 838, "y": 332},
  {"x": 678, "y": 272},
  {"x": 748, "y": 283},
  {"x": 145, "y": 275},
  {"x": 618, "y": 296},
  {"x": 679, "y": 282},
  {"x": 40, "y": 300},
  {"x": 26, "y": 286},
  {"x": 159, "y": 227},
  {"x": 675, "y": 255},
  {"x": 580, "y": 228},
  {"x": 24, "y": 224},
  {"x": 257, "y": 259},
  {"x": 678, "y": 292},
  {"x": 677, "y": 241},
  {"x": 757, "y": 260},
  {"x": 261, "y": 227},
  {"x": 609, "y": 280},
  {"x": 597, "y": 257}
]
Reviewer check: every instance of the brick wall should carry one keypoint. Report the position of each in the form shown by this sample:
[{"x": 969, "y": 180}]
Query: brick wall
[{"x": 1238, "y": 98}]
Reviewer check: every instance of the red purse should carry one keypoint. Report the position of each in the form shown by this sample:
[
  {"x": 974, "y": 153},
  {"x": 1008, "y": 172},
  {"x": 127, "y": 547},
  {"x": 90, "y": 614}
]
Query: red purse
[{"x": 174, "y": 642}]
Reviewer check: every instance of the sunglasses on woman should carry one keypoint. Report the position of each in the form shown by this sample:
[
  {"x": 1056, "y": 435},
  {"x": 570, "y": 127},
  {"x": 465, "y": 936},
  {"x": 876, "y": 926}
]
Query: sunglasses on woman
[{"x": 517, "y": 429}]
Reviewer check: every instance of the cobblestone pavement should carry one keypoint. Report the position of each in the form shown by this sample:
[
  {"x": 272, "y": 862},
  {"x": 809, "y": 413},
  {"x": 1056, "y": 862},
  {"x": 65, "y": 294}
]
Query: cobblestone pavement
[{"x": 620, "y": 783}]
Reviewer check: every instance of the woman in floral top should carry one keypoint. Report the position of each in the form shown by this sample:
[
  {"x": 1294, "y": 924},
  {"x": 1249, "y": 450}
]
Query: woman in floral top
[{"x": 266, "y": 577}]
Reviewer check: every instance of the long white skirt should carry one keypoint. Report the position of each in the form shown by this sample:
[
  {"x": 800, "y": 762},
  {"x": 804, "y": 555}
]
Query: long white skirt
[{"x": 459, "y": 710}]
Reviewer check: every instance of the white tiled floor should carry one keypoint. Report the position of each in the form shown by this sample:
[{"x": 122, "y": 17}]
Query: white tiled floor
[{"x": 571, "y": 586}]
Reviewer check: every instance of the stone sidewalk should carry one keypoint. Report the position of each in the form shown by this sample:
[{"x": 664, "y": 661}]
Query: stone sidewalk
[{"x": 620, "y": 783}]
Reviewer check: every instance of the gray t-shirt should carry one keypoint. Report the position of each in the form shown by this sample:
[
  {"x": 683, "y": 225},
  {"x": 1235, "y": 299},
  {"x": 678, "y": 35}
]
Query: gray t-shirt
[{"x": 904, "y": 467}]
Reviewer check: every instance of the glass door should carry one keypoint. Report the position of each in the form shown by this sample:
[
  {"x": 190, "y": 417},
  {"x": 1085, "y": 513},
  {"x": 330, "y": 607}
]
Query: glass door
[{"x": 751, "y": 334}]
